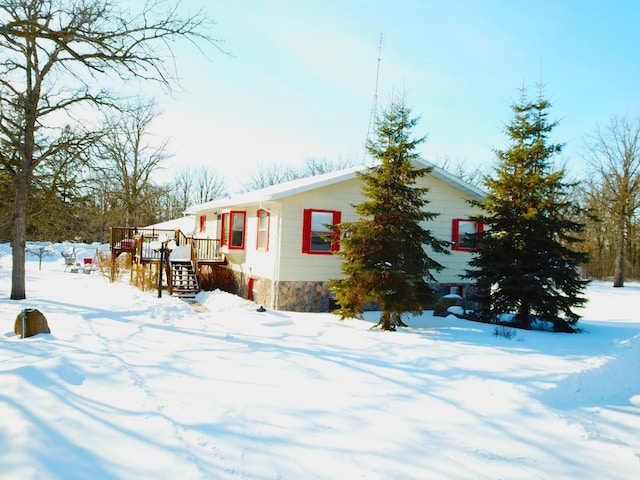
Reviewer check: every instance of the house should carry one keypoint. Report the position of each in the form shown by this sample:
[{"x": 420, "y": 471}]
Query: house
[{"x": 274, "y": 238}]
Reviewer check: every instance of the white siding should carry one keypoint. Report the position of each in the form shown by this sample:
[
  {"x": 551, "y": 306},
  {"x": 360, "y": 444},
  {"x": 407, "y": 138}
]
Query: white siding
[
  {"x": 257, "y": 262},
  {"x": 298, "y": 266},
  {"x": 211, "y": 227},
  {"x": 284, "y": 261},
  {"x": 449, "y": 202}
]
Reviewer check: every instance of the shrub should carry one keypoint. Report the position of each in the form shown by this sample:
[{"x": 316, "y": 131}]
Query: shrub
[
  {"x": 113, "y": 270},
  {"x": 144, "y": 277},
  {"x": 505, "y": 332},
  {"x": 216, "y": 277}
]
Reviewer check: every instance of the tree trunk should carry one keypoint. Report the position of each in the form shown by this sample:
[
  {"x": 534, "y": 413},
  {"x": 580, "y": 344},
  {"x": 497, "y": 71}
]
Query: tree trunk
[
  {"x": 523, "y": 317},
  {"x": 18, "y": 240},
  {"x": 390, "y": 321},
  {"x": 618, "y": 267},
  {"x": 385, "y": 321},
  {"x": 396, "y": 318}
]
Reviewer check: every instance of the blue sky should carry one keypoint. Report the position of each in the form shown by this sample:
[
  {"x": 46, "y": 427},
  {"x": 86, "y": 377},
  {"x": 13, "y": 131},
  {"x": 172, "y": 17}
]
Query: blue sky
[{"x": 301, "y": 79}]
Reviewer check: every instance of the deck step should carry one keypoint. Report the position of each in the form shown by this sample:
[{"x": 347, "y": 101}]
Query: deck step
[{"x": 184, "y": 279}]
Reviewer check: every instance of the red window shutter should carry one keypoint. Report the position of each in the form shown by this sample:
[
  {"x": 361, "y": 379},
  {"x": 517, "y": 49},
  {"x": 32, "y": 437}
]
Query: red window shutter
[
  {"x": 455, "y": 232},
  {"x": 306, "y": 231},
  {"x": 335, "y": 245}
]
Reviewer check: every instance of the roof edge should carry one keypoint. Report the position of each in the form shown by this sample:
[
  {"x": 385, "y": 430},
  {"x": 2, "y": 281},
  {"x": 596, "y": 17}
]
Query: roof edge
[{"x": 301, "y": 185}]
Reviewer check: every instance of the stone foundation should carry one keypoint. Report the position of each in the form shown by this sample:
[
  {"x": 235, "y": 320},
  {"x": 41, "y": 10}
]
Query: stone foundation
[
  {"x": 315, "y": 296},
  {"x": 261, "y": 290},
  {"x": 291, "y": 296},
  {"x": 303, "y": 296}
]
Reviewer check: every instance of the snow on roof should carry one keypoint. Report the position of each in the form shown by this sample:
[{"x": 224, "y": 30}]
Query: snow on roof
[
  {"x": 281, "y": 190},
  {"x": 185, "y": 224},
  {"x": 300, "y": 185}
]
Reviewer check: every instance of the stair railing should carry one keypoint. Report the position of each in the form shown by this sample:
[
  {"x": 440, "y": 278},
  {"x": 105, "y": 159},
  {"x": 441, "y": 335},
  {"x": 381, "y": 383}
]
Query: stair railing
[{"x": 194, "y": 262}]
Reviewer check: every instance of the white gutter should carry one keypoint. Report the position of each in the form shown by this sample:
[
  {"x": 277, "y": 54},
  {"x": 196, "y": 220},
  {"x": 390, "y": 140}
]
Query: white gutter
[{"x": 276, "y": 261}]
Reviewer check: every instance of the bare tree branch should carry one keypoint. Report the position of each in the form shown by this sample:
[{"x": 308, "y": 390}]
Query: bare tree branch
[
  {"x": 129, "y": 159},
  {"x": 55, "y": 56},
  {"x": 613, "y": 154}
]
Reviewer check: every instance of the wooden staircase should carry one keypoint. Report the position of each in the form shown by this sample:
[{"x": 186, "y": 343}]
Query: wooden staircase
[{"x": 183, "y": 279}]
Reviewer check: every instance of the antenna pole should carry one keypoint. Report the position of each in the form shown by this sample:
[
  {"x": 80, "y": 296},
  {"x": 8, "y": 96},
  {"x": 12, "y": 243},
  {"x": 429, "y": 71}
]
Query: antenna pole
[{"x": 374, "y": 103}]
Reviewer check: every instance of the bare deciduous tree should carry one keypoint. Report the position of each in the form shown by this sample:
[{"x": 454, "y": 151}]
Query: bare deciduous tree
[
  {"x": 40, "y": 251},
  {"x": 270, "y": 174},
  {"x": 193, "y": 186},
  {"x": 128, "y": 158},
  {"x": 181, "y": 190},
  {"x": 275, "y": 173},
  {"x": 208, "y": 185},
  {"x": 56, "y": 55},
  {"x": 462, "y": 170},
  {"x": 597, "y": 238},
  {"x": 319, "y": 165},
  {"x": 613, "y": 153}
]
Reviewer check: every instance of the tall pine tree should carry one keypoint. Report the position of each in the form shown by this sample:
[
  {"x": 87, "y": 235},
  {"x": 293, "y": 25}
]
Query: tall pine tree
[
  {"x": 384, "y": 255},
  {"x": 526, "y": 264}
]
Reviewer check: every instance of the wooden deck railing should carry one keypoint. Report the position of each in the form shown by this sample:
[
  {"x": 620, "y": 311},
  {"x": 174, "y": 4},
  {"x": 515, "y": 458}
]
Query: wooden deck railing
[
  {"x": 137, "y": 241},
  {"x": 207, "y": 250}
]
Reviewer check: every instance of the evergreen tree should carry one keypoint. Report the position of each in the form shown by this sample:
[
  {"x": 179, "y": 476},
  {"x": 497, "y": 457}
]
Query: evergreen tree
[
  {"x": 384, "y": 256},
  {"x": 525, "y": 264}
]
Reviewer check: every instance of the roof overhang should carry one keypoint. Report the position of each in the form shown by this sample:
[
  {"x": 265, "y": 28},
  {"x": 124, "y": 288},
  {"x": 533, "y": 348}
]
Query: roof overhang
[{"x": 301, "y": 185}]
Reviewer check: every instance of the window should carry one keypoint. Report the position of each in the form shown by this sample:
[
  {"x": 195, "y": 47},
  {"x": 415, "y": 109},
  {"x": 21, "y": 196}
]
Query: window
[
  {"x": 233, "y": 225},
  {"x": 463, "y": 234},
  {"x": 316, "y": 236},
  {"x": 262, "y": 242},
  {"x": 202, "y": 224}
]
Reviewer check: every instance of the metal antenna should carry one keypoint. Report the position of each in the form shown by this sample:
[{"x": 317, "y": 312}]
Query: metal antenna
[{"x": 374, "y": 103}]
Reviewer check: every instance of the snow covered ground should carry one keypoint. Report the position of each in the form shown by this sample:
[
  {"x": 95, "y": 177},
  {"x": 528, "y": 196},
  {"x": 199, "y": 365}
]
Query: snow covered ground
[{"x": 129, "y": 386}]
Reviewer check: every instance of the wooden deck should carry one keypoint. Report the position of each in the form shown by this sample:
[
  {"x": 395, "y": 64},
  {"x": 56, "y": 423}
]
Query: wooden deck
[{"x": 137, "y": 242}]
